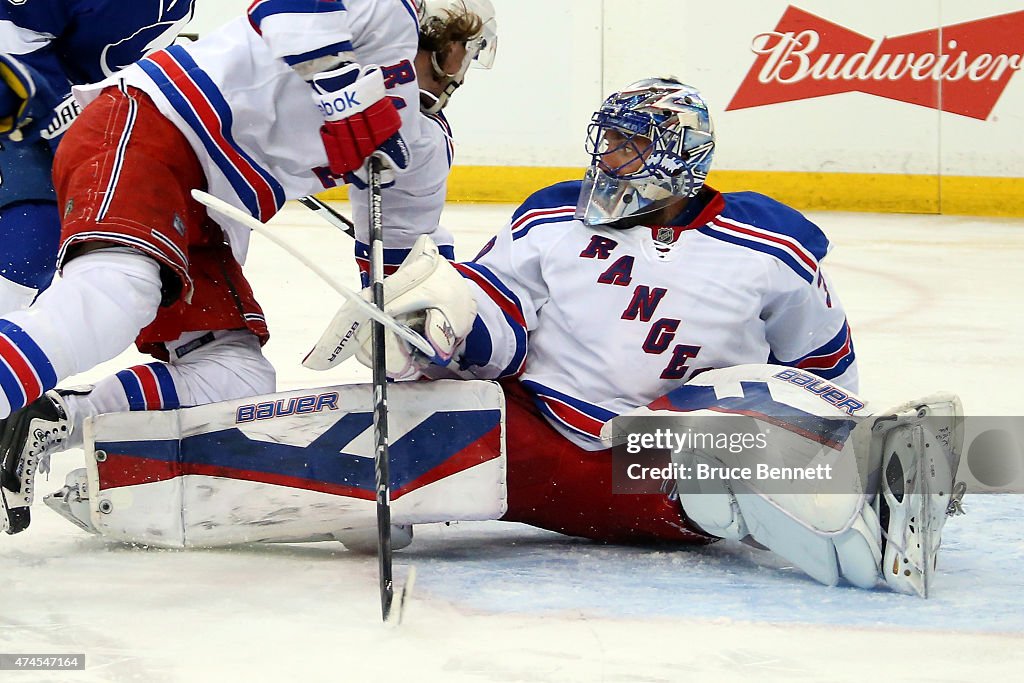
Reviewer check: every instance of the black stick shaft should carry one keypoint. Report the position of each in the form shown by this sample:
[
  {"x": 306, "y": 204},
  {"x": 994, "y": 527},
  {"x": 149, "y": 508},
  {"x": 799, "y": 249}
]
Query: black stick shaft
[
  {"x": 380, "y": 395},
  {"x": 328, "y": 214}
]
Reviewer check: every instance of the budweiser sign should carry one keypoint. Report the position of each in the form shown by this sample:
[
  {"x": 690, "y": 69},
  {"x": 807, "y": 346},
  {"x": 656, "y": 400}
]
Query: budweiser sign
[{"x": 962, "y": 69}]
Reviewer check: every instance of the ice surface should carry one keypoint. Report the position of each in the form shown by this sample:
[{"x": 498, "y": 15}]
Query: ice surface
[{"x": 934, "y": 303}]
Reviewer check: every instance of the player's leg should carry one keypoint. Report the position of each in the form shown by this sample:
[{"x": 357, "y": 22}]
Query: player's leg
[
  {"x": 555, "y": 485},
  {"x": 203, "y": 367},
  {"x": 878, "y": 509},
  {"x": 211, "y": 367},
  {"x": 30, "y": 233},
  {"x": 123, "y": 175}
]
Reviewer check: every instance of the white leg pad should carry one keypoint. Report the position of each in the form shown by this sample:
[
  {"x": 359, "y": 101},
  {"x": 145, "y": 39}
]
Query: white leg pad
[
  {"x": 788, "y": 530},
  {"x": 295, "y": 466},
  {"x": 859, "y": 551},
  {"x": 715, "y": 510}
]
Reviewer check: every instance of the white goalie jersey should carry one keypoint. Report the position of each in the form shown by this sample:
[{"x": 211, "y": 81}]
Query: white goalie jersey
[{"x": 597, "y": 321}]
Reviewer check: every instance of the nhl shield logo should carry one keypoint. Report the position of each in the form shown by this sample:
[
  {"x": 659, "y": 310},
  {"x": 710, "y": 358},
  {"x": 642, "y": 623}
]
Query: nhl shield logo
[
  {"x": 666, "y": 235},
  {"x": 179, "y": 225}
]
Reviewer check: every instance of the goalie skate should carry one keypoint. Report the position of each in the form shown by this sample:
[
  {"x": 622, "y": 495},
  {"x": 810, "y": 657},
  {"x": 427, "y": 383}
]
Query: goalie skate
[
  {"x": 72, "y": 501},
  {"x": 920, "y": 447}
]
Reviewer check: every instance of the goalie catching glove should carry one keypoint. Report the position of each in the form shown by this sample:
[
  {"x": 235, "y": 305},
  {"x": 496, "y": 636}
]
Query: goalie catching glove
[{"x": 427, "y": 294}]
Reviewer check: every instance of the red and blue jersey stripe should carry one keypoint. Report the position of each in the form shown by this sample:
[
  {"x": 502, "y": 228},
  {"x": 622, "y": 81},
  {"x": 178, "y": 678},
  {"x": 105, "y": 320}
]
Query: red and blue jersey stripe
[
  {"x": 531, "y": 219},
  {"x": 580, "y": 417},
  {"x": 762, "y": 224},
  {"x": 551, "y": 205},
  {"x": 828, "y": 361},
  {"x": 784, "y": 248},
  {"x": 479, "y": 338},
  {"x": 196, "y": 98}
]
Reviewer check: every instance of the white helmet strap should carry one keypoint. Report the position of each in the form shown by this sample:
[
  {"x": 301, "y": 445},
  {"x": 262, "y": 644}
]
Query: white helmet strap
[{"x": 452, "y": 82}]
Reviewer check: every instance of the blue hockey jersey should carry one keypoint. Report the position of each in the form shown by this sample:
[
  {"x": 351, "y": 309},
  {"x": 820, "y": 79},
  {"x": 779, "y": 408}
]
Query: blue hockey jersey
[{"x": 70, "y": 42}]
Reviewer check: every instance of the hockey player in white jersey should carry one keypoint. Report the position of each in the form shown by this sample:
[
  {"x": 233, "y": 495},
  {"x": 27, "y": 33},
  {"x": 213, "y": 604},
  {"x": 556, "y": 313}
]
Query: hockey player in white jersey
[
  {"x": 525, "y": 311},
  {"x": 615, "y": 295},
  {"x": 278, "y": 104},
  {"x": 454, "y": 36}
]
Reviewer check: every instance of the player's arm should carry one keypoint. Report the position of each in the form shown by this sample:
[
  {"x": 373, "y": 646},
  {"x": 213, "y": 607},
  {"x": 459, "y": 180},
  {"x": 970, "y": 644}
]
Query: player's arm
[
  {"x": 509, "y": 289},
  {"x": 315, "y": 39},
  {"x": 310, "y": 37},
  {"x": 475, "y": 315},
  {"x": 413, "y": 204},
  {"x": 27, "y": 98},
  {"x": 806, "y": 327}
]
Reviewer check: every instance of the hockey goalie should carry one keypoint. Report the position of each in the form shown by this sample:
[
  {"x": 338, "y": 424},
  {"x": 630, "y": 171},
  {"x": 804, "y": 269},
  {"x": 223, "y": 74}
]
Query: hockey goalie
[
  {"x": 298, "y": 467},
  {"x": 604, "y": 307}
]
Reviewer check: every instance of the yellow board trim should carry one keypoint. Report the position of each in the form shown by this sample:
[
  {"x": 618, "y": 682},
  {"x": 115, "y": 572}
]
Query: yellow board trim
[{"x": 888, "y": 193}]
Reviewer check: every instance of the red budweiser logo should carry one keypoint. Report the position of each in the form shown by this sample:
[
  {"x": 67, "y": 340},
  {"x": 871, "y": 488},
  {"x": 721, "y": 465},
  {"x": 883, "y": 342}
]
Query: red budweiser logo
[{"x": 962, "y": 69}]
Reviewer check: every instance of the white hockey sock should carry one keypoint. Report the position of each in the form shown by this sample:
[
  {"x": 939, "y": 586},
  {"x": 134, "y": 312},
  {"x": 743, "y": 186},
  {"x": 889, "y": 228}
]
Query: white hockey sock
[{"x": 231, "y": 366}]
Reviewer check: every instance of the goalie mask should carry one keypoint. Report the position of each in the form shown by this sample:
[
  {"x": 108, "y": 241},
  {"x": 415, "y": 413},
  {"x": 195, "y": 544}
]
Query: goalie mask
[
  {"x": 446, "y": 22},
  {"x": 660, "y": 134}
]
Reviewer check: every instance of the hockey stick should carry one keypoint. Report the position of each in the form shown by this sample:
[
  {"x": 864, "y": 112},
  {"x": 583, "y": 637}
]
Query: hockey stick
[
  {"x": 380, "y": 395},
  {"x": 328, "y": 214},
  {"x": 409, "y": 335}
]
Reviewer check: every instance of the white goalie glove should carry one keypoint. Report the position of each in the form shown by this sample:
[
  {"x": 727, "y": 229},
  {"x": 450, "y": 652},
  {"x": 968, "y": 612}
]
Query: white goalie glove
[{"x": 427, "y": 294}]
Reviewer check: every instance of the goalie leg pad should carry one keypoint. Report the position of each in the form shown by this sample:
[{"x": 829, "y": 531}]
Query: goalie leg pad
[
  {"x": 774, "y": 523},
  {"x": 824, "y": 526},
  {"x": 295, "y": 466},
  {"x": 893, "y": 478}
]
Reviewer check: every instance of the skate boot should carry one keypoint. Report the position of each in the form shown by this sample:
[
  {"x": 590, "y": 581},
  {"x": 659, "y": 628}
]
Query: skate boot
[
  {"x": 72, "y": 501},
  {"x": 920, "y": 445},
  {"x": 26, "y": 440}
]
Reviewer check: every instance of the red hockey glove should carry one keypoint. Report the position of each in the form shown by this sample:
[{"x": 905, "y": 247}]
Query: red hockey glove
[{"x": 358, "y": 117}]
